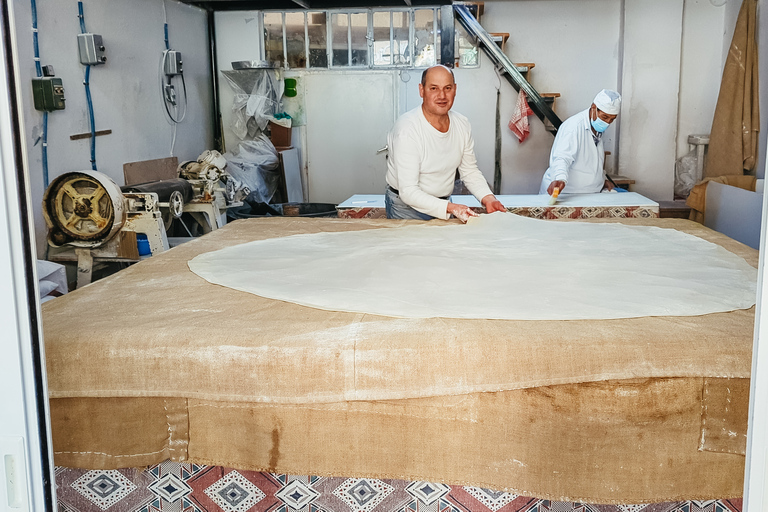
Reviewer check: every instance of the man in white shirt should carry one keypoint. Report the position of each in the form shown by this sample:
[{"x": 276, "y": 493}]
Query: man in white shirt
[
  {"x": 426, "y": 146},
  {"x": 577, "y": 156}
]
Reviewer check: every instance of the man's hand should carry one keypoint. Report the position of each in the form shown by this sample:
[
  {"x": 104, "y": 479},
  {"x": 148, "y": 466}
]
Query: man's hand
[
  {"x": 608, "y": 186},
  {"x": 492, "y": 204},
  {"x": 461, "y": 212},
  {"x": 555, "y": 184}
]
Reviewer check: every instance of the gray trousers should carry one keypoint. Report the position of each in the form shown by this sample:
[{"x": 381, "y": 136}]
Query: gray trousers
[{"x": 397, "y": 209}]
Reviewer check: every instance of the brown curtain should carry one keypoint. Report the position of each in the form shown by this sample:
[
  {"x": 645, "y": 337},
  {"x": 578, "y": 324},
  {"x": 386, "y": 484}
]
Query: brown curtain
[{"x": 733, "y": 139}]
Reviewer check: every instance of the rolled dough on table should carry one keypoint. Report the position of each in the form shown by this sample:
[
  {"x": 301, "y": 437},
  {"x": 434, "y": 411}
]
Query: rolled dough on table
[{"x": 498, "y": 266}]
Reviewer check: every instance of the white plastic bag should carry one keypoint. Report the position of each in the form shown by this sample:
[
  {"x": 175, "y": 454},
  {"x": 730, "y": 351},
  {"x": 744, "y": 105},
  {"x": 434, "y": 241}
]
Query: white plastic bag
[
  {"x": 258, "y": 97},
  {"x": 686, "y": 175},
  {"x": 253, "y": 165}
]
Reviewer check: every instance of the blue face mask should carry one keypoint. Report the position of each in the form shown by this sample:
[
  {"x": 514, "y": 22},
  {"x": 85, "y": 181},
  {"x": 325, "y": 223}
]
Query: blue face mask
[{"x": 599, "y": 125}]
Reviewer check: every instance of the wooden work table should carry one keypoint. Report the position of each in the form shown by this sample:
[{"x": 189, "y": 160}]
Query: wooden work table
[{"x": 568, "y": 206}]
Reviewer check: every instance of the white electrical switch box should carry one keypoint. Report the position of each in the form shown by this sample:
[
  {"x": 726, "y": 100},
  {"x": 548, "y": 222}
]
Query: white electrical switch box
[
  {"x": 91, "y": 48},
  {"x": 172, "y": 62}
]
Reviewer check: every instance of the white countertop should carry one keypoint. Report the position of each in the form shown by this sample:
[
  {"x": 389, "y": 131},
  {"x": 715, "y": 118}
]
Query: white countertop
[{"x": 606, "y": 199}]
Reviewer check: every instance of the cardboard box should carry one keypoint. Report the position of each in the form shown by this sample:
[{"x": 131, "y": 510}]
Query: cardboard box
[{"x": 279, "y": 135}]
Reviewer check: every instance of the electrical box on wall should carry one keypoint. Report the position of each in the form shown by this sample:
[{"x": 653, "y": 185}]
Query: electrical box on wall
[
  {"x": 172, "y": 64},
  {"x": 48, "y": 94},
  {"x": 91, "y": 48}
]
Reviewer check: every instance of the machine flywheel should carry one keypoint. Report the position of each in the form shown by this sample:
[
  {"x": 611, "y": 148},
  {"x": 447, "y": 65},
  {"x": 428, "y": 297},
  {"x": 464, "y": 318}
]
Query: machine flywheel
[{"x": 81, "y": 206}]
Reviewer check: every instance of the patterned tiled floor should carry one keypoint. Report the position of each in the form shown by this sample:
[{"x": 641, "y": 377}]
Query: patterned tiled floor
[{"x": 174, "y": 487}]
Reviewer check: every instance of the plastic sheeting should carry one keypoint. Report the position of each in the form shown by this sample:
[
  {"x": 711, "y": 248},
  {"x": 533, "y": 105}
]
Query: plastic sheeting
[
  {"x": 258, "y": 94},
  {"x": 686, "y": 174},
  {"x": 253, "y": 168},
  {"x": 51, "y": 280},
  {"x": 498, "y": 266}
]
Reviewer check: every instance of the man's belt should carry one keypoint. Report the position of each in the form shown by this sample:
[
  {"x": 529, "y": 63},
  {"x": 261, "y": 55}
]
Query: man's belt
[{"x": 393, "y": 189}]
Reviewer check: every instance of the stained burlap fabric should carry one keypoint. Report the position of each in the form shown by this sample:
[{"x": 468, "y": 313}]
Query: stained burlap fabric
[
  {"x": 733, "y": 140},
  {"x": 630, "y": 441},
  {"x": 155, "y": 363}
]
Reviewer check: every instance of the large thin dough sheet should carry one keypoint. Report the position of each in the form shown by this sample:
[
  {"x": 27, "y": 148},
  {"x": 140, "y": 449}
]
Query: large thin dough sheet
[
  {"x": 157, "y": 329},
  {"x": 498, "y": 266}
]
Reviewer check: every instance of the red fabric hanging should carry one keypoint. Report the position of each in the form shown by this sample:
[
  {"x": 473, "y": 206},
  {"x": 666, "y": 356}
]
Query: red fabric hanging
[{"x": 519, "y": 122}]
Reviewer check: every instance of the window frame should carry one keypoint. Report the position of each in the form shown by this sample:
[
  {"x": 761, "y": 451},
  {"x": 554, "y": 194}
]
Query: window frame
[{"x": 369, "y": 36}]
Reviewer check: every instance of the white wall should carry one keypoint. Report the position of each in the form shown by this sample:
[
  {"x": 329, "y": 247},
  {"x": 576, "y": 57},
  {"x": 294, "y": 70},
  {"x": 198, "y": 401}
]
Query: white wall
[
  {"x": 708, "y": 27},
  {"x": 650, "y": 87},
  {"x": 701, "y": 68},
  {"x": 665, "y": 57},
  {"x": 331, "y": 132},
  {"x": 575, "y": 46},
  {"x": 125, "y": 90},
  {"x": 731, "y": 12},
  {"x": 578, "y": 75}
]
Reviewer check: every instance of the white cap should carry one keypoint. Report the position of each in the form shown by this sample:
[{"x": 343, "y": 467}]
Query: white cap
[{"x": 608, "y": 101}]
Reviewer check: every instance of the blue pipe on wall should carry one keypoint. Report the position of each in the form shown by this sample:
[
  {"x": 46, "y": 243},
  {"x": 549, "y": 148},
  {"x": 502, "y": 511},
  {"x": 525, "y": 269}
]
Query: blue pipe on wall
[
  {"x": 87, "y": 84},
  {"x": 90, "y": 116},
  {"x": 39, "y": 70},
  {"x": 81, "y": 16}
]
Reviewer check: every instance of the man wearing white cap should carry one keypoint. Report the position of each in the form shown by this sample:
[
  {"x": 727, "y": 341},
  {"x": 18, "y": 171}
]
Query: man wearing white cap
[{"x": 577, "y": 156}]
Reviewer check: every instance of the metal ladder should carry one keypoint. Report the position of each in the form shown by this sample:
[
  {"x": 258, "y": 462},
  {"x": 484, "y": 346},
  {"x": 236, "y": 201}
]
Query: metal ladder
[{"x": 537, "y": 103}]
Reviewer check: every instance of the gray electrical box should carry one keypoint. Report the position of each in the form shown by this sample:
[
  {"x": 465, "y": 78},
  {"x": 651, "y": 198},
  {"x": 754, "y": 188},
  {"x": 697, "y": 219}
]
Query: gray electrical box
[
  {"x": 48, "y": 94},
  {"x": 91, "y": 48},
  {"x": 172, "y": 62}
]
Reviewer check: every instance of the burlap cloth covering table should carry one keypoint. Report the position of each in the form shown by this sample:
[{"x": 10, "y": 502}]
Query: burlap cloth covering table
[{"x": 155, "y": 363}]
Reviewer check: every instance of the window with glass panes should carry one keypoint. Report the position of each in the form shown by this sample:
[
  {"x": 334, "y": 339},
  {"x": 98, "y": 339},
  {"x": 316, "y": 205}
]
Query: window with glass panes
[{"x": 360, "y": 38}]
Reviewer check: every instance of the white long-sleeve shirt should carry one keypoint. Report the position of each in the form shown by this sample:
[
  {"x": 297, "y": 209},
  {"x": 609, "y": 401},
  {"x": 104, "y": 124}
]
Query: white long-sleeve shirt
[
  {"x": 575, "y": 158},
  {"x": 422, "y": 162}
]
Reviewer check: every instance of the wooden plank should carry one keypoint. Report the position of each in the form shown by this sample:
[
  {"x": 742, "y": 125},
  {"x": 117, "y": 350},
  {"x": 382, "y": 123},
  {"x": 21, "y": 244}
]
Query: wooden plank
[
  {"x": 150, "y": 170},
  {"x": 87, "y": 135},
  {"x": 622, "y": 180},
  {"x": 128, "y": 247},
  {"x": 500, "y": 38}
]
